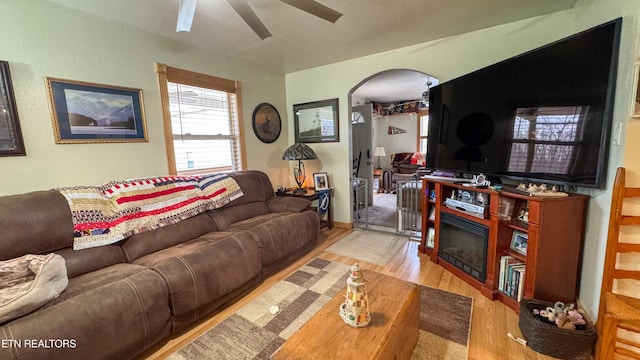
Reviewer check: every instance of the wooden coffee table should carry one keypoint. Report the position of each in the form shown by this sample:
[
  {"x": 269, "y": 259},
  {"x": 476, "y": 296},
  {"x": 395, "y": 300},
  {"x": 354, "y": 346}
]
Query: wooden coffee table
[{"x": 392, "y": 334}]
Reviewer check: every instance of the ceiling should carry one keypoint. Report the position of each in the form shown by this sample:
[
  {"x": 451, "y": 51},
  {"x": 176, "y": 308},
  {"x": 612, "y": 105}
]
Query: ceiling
[
  {"x": 302, "y": 41},
  {"x": 394, "y": 85}
]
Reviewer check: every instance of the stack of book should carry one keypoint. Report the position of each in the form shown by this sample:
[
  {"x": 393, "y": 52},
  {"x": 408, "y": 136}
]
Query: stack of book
[{"x": 511, "y": 280}]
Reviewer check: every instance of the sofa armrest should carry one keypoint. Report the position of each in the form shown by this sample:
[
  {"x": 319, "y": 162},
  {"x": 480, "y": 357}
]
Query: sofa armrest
[{"x": 288, "y": 204}]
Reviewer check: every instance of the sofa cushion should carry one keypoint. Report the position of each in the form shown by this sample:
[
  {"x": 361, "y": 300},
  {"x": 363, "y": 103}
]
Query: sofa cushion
[
  {"x": 204, "y": 269},
  {"x": 224, "y": 217},
  {"x": 401, "y": 158},
  {"x": 145, "y": 243},
  {"x": 34, "y": 223},
  {"x": 256, "y": 187},
  {"x": 116, "y": 312},
  {"x": 87, "y": 260},
  {"x": 280, "y": 234},
  {"x": 407, "y": 168},
  {"x": 288, "y": 204}
]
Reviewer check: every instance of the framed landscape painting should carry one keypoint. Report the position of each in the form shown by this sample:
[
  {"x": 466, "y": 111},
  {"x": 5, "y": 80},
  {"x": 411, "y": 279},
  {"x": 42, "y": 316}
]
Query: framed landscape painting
[{"x": 84, "y": 112}]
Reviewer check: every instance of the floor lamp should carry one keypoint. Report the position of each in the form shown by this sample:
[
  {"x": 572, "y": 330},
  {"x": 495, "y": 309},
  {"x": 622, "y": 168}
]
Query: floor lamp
[{"x": 299, "y": 151}]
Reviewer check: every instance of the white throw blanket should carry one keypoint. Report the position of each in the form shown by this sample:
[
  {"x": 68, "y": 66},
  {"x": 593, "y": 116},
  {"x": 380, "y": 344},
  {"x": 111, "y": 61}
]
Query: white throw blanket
[{"x": 28, "y": 282}]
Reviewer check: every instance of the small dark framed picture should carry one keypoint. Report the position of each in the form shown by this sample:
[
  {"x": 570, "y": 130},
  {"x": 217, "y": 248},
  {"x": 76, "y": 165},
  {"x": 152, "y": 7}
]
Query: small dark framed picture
[
  {"x": 266, "y": 123},
  {"x": 519, "y": 242},
  {"x": 321, "y": 181},
  {"x": 316, "y": 121},
  {"x": 432, "y": 195},
  {"x": 11, "y": 143}
]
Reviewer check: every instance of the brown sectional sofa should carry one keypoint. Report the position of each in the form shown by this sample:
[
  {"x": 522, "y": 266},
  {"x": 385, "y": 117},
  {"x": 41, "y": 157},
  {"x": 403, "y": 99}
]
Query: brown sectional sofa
[{"x": 124, "y": 298}]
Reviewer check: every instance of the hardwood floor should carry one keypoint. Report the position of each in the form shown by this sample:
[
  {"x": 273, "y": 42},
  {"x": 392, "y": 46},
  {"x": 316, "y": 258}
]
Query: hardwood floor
[{"x": 490, "y": 323}]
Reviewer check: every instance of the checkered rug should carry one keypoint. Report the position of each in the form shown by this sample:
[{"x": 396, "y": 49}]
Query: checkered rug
[{"x": 254, "y": 333}]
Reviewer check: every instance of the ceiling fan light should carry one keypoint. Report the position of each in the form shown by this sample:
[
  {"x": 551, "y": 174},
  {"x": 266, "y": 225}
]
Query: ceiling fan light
[{"x": 186, "y": 11}]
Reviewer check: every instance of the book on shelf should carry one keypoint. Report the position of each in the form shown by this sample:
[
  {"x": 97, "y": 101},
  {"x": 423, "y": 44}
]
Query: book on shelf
[
  {"x": 503, "y": 265},
  {"x": 511, "y": 276},
  {"x": 505, "y": 262},
  {"x": 516, "y": 279},
  {"x": 520, "y": 284}
]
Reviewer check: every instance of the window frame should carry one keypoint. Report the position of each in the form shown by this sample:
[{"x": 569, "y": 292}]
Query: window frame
[
  {"x": 171, "y": 74},
  {"x": 420, "y": 114}
]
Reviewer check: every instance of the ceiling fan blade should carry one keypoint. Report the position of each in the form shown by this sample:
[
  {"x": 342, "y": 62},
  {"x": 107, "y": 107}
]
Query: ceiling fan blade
[
  {"x": 246, "y": 13},
  {"x": 186, "y": 10},
  {"x": 315, "y": 8}
]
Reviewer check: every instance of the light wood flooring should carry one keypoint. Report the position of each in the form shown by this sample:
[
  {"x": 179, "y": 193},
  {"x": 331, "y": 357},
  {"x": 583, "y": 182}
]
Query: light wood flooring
[{"x": 490, "y": 323}]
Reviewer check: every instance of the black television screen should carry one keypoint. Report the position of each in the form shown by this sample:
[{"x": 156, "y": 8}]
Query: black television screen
[{"x": 542, "y": 116}]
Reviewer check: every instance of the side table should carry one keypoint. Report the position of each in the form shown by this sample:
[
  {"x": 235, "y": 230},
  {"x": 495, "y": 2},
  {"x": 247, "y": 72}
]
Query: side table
[{"x": 314, "y": 196}]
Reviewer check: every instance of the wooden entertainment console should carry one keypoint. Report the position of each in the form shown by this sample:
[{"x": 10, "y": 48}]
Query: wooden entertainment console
[{"x": 553, "y": 232}]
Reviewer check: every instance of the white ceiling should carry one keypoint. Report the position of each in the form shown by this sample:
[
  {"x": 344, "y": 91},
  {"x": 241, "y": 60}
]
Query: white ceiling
[
  {"x": 302, "y": 41},
  {"x": 394, "y": 85}
]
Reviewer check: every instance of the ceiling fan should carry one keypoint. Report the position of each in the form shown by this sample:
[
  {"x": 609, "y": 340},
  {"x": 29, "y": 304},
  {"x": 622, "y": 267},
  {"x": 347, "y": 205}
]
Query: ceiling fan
[{"x": 187, "y": 8}]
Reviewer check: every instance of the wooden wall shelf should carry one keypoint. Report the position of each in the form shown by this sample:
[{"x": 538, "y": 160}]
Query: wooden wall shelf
[{"x": 555, "y": 235}]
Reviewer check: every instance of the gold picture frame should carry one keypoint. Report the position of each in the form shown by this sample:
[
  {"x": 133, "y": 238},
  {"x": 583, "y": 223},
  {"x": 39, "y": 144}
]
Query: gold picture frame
[{"x": 83, "y": 112}]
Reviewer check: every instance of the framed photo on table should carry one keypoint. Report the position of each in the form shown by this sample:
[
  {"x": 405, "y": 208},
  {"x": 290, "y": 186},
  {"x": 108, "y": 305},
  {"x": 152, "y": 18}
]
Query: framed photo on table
[
  {"x": 84, "y": 112},
  {"x": 316, "y": 121},
  {"x": 321, "y": 181},
  {"x": 519, "y": 242}
]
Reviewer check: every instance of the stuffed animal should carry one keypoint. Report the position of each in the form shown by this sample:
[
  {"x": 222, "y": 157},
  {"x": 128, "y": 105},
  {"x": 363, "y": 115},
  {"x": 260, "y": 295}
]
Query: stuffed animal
[{"x": 563, "y": 316}]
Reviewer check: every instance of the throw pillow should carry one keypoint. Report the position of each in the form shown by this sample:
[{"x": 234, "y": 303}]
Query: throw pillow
[{"x": 35, "y": 280}]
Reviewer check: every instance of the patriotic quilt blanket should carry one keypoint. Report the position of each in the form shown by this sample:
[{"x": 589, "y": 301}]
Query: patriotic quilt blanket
[{"x": 108, "y": 213}]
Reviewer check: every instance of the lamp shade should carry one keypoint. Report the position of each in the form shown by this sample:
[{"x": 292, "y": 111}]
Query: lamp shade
[
  {"x": 379, "y": 151},
  {"x": 299, "y": 151}
]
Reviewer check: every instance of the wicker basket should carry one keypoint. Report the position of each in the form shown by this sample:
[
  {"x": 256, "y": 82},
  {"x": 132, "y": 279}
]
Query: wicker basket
[{"x": 551, "y": 340}]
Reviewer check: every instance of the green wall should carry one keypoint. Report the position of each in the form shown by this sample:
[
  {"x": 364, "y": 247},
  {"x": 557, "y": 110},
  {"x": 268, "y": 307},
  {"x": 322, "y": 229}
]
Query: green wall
[{"x": 42, "y": 39}]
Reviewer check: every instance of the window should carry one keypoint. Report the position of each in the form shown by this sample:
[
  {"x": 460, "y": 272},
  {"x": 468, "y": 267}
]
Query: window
[
  {"x": 202, "y": 131},
  {"x": 423, "y": 130},
  {"x": 546, "y": 139}
]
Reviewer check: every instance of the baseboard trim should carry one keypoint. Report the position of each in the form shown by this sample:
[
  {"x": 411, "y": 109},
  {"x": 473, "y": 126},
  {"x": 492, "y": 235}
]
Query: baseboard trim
[{"x": 342, "y": 225}]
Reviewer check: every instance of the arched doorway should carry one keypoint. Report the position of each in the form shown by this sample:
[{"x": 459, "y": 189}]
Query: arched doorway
[{"x": 389, "y": 113}]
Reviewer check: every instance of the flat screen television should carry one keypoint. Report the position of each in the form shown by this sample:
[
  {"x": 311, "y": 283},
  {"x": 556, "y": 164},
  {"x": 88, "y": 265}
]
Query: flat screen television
[{"x": 544, "y": 116}]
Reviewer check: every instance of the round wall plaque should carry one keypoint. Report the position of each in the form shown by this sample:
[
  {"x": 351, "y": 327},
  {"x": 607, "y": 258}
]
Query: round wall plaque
[{"x": 266, "y": 123}]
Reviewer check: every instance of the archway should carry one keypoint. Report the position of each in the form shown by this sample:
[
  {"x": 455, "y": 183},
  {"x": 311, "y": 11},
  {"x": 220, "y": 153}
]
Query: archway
[{"x": 385, "y": 111}]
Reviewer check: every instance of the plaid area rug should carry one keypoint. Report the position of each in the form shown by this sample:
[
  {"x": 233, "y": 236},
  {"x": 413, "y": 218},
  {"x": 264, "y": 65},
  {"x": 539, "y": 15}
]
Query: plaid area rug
[{"x": 254, "y": 333}]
